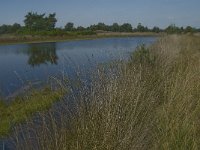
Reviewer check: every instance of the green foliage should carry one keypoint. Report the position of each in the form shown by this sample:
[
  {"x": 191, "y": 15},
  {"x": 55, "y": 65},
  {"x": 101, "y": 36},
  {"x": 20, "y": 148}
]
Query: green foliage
[
  {"x": 86, "y": 32},
  {"x": 189, "y": 29},
  {"x": 115, "y": 27},
  {"x": 141, "y": 28},
  {"x": 126, "y": 27},
  {"x": 38, "y": 22},
  {"x": 156, "y": 29},
  {"x": 80, "y": 28},
  {"x": 142, "y": 55},
  {"x": 99, "y": 26},
  {"x": 172, "y": 29},
  {"x": 24, "y": 107},
  {"x": 6, "y": 29},
  {"x": 69, "y": 26}
]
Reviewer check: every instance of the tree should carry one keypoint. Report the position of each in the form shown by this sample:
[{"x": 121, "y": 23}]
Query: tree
[
  {"x": 51, "y": 21},
  {"x": 5, "y": 29},
  {"x": 35, "y": 22},
  {"x": 126, "y": 27},
  {"x": 115, "y": 27},
  {"x": 140, "y": 28},
  {"x": 101, "y": 26},
  {"x": 171, "y": 29},
  {"x": 92, "y": 27},
  {"x": 80, "y": 28},
  {"x": 69, "y": 26},
  {"x": 156, "y": 29},
  {"x": 16, "y": 27},
  {"x": 189, "y": 29},
  {"x": 38, "y": 22}
]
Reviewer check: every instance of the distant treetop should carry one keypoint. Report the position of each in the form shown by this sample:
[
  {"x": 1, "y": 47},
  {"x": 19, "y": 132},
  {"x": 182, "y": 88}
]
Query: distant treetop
[{"x": 39, "y": 22}]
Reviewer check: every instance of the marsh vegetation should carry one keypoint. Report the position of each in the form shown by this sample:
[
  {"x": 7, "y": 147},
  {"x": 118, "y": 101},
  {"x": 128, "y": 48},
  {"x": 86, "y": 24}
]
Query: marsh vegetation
[{"x": 149, "y": 102}]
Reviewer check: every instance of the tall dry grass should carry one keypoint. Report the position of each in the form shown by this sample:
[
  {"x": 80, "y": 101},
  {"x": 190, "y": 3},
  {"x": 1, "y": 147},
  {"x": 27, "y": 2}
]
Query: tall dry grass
[
  {"x": 150, "y": 102},
  {"x": 177, "y": 119}
]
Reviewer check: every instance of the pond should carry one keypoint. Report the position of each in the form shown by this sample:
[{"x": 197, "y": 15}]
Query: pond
[{"x": 35, "y": 63}]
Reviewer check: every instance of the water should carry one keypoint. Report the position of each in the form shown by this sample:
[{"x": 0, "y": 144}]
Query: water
[{"x": 35, "y": 63}]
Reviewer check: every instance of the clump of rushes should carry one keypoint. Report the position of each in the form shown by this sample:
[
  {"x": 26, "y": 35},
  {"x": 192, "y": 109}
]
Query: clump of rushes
[
  {"x": 150, "y": 102},
  {"x": 24, "y": 107}
]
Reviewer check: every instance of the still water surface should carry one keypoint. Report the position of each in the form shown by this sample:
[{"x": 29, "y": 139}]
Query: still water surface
[{"x": 23, "y": 63}]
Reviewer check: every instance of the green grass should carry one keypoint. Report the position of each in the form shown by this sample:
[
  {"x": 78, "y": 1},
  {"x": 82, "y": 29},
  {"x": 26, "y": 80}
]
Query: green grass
[
  {"x": 150, "y": 102},
  {"x": 23, "y": 108}
]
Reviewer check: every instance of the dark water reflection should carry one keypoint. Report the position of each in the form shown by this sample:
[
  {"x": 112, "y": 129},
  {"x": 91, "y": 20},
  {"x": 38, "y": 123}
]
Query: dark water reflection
[
  {"x": 22, "y": 63},
  {"x": 42, "y": 54}
]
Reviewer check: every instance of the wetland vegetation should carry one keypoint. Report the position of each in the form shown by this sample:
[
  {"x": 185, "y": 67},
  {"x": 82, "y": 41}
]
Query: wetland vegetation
[{"x": 149, "y": 102}]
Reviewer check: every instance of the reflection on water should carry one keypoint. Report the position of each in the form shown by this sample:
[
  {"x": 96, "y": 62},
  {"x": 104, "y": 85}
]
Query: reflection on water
[
  {"x": 42, "y": 54},
  {"x": 22, "y": 63}
]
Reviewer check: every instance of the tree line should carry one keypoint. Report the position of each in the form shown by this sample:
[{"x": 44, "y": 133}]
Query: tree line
[{"x": 35, "y": 23}]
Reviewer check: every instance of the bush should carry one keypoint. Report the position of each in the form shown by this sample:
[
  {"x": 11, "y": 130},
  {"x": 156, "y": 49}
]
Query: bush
[{"x": 142, "y": 55}]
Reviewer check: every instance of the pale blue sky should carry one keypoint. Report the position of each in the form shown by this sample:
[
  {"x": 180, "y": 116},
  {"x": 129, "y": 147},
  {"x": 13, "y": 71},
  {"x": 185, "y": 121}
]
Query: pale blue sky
[{"x": 86, "y": 12}]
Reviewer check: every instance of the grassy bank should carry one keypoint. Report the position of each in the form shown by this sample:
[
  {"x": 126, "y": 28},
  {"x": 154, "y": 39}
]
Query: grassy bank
[
  {"x": 22, "y": 108},
  {"x": 14, "y": 39},
  {"x": 150, "y": 102}
]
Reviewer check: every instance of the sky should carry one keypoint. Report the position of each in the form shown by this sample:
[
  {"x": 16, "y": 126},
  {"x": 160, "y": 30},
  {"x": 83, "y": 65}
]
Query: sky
[{"x": 86, "y": 12}]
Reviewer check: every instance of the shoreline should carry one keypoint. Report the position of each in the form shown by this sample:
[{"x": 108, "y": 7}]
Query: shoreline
[{"x": 28, "y": 39}]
